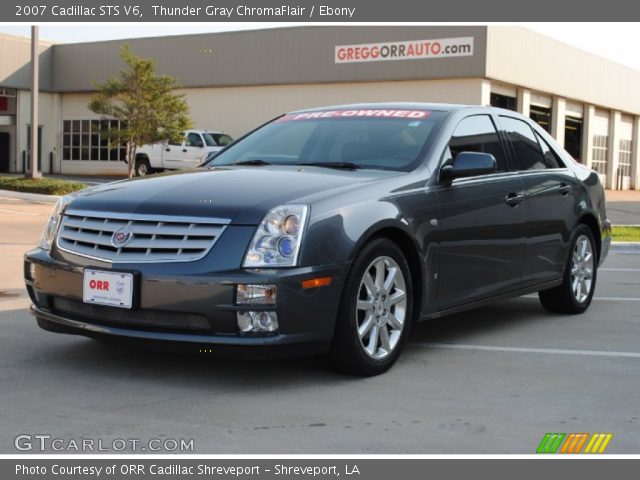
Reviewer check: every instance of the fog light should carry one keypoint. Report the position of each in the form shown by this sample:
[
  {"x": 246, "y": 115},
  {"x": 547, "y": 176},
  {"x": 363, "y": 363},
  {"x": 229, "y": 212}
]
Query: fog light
[
  {"x": 257, "y": 321},
  {"x": 252, "y": 294}
]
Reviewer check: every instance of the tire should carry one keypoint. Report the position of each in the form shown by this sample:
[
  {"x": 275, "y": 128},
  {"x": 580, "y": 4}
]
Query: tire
[
  {"x": 382, "y": 315},
  {"x": 574, "y": 295},
  {"x": 143, "y": 167}
]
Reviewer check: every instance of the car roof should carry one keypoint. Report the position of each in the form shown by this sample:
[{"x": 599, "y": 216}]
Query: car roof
[{"x": 447, "y": 107}]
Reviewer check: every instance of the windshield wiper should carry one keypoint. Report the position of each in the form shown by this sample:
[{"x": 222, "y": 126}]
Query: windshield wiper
[
  {"x": 256, "y": 161},
  {"x": 339, "y": 165}
]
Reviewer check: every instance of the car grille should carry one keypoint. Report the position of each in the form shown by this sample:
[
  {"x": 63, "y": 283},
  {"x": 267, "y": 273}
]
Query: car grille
[
  {"x": 147, "y": 319},
  {"x": 150, "y": 238}
]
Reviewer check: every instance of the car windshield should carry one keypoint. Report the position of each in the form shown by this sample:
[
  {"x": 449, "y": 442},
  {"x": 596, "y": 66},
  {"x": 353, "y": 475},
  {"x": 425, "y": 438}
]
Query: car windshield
[{"x": 389, "y": 139}]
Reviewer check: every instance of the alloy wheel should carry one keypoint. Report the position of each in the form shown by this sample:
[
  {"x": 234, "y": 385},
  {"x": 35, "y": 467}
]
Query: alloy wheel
[
  {"x": 381, "y": 308},
  {"x": 582, "y": 266}
]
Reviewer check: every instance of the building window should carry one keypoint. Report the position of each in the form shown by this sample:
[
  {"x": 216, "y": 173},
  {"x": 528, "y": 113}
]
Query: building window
[
  {"x": 504, "y": 101},
  {"x": 85, "y": 140},
  {"x": 624, "y": 165},
  {"x": 573, "y": 137},
  {"x": 599, "y": 154},
  {"x": 542, "y": 116}
]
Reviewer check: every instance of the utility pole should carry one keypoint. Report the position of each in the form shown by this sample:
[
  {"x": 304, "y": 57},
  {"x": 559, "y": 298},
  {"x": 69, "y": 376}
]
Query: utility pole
[{"x": 33, "y": 171}]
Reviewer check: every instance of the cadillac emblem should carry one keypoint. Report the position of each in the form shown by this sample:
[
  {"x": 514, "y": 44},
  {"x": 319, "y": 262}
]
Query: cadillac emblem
[{"x": 121, "y": 237}]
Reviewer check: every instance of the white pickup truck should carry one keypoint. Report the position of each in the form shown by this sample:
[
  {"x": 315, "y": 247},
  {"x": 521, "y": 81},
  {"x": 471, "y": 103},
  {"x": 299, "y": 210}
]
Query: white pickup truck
[{"x": 194, "y": 148}]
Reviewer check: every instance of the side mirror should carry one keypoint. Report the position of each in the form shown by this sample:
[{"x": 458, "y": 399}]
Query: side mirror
[
  {"x": 199, "y": 145},
  {"x": 469, "y": 164}
]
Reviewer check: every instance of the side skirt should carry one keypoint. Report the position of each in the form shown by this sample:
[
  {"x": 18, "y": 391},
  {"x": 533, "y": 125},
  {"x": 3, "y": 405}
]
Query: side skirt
[{"x": 490, "y": 300}]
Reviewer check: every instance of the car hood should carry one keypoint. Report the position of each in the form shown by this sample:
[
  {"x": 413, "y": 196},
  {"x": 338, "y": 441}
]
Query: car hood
[{"x": 241, "y": 194}]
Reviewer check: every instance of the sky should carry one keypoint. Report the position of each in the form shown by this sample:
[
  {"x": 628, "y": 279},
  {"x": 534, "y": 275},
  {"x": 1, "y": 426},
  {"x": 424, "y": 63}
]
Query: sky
[{"x": 618, "y": 42}]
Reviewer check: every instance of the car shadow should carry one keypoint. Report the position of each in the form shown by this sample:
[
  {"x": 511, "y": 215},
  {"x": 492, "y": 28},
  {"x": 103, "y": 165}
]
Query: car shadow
[
  {"x": 461, "y": 326},
  {"x": 115, "y": 362}
]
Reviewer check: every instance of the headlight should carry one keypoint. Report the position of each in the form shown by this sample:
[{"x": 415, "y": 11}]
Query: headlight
[
  {"x": 50, "y": 229},
  {"x": 277, "y": 240}
]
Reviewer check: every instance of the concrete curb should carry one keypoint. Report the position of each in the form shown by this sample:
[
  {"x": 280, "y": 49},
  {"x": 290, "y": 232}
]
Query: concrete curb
[{"x": 30, "y": 197}]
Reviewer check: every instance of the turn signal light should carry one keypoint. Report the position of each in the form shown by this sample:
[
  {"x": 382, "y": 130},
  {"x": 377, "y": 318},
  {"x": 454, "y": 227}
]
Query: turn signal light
[{"x": 317, "y": 282}]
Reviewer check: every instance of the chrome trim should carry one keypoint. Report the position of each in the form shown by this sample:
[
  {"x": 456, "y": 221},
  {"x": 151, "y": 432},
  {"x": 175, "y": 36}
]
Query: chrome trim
[
  {"x": 147, "y": 217},
  {"x": 219, "y": 223}
]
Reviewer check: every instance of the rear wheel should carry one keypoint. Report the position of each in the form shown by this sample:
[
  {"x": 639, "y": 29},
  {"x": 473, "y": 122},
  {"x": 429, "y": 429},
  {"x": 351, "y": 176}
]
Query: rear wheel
[
  {"x": 375, "y": 311},
  {"x": 142, "y": 167},
  {"x": 576, "y": 291}
]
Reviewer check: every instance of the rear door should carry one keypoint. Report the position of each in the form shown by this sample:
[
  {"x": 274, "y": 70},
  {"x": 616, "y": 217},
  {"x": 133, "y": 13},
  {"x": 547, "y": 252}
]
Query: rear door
[
  {"x": 194, "y": 146},
  {"x": 173, "y": 153},
  {"x": 481, "y": 222},
  {"x": 188, "y": 154},
  {"x": 550, "y": 205}
]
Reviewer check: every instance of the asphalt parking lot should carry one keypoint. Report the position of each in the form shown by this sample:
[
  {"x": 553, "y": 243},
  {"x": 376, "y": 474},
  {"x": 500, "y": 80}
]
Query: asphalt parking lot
[{"x": 494, "y": 380}]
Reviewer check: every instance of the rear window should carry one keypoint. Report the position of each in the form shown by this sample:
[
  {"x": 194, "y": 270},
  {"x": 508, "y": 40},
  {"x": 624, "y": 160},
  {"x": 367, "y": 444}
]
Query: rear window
[
  {"x": 374, "y": 139},
  {"x": 526, "y": 149}
]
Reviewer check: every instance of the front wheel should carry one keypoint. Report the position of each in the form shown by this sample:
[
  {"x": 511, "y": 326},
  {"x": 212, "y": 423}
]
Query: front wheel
[
  {"x": 375, "y": 311},
  {"x": 576, "y": 291}
]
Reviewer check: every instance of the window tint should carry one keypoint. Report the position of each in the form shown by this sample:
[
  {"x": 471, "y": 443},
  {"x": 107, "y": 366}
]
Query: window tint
[
  {"x": 551, "y": 159},
  {"x": 193, "y": 140},
  {"x": 477, "y": 134},
  {"x": 526, "y": 149}
]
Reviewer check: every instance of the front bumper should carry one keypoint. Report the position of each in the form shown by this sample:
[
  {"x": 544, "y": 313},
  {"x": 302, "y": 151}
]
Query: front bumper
[
  {"x": 183, "y": 306},
  {"x": 605, "y": 236}
]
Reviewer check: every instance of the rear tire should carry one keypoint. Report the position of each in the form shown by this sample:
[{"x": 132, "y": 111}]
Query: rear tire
[
  {"x": 375, "y": 311},
  {"x": 574, "y": 295},
  {"x": 143, "y": 167}
]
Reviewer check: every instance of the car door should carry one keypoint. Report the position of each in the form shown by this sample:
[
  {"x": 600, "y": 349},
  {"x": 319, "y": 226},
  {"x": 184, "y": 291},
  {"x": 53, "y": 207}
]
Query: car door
[
  {"x": 193, "y": 150},
  {"x": 551, "y": 196},
  {"x": 480, "y": 222},
  {"x": 173, "y": 153}
]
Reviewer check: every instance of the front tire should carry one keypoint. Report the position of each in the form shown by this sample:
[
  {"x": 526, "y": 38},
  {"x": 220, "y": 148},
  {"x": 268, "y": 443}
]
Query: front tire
[
  {"x": 575, "y": 294},
  {"x": 375, "y": 311}
]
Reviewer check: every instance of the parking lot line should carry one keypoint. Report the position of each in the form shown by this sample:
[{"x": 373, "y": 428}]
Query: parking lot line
[
  {"x": 544, "y": 351},
  {"x": 600, "y": 299},
  {"x": 616, "y": 299},
  {"x": 619, "y": 269}
]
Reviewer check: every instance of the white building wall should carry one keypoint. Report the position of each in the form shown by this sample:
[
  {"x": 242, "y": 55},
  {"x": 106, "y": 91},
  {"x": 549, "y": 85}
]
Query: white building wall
[
  {"x": 47, "y": 119},
  {"x": 237, "y": 110}
]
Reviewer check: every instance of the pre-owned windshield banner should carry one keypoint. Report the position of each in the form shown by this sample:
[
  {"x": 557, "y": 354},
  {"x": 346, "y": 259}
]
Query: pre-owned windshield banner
[{"x": 315, "y": 11}]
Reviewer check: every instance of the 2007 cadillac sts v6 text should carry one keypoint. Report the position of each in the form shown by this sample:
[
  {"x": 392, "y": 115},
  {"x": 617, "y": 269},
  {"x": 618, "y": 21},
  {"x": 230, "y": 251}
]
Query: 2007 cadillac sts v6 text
[{"x": 327, "y": 231}]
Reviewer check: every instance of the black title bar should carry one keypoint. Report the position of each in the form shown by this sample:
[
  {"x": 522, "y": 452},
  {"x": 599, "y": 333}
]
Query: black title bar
[{"x": 41, "y": 11}]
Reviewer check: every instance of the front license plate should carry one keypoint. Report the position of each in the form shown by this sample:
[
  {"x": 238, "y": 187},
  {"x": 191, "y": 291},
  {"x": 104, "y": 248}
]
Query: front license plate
[{"x": 108, "y": 288}]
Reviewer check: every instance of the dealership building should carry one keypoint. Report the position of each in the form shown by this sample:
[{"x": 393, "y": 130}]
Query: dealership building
[{"x": 234, "y": 81}]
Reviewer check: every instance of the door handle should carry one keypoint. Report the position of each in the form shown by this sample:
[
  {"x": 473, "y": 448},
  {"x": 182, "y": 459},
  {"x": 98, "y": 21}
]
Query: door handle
[
  {"x": 167, "y": 149},
  {"x": 184, "y": 150},
  {"x": 513, "y": 199},
  {"x": 565, "y": 189}
]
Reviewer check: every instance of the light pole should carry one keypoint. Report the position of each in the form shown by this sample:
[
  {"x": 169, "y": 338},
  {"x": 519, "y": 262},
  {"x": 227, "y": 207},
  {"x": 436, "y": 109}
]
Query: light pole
[{"x": 33, "y": 171}]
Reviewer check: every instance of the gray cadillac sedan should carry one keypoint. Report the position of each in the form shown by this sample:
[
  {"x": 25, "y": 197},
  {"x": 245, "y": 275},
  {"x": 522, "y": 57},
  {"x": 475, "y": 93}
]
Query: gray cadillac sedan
[{"x": 327, "y": 231}]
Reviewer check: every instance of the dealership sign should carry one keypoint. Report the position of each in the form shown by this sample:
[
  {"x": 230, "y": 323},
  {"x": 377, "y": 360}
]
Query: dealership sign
[{"x": 408, "y": 50}]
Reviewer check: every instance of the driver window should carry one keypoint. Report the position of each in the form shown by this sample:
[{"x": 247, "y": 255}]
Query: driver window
[{"x": 476, "y": 134}]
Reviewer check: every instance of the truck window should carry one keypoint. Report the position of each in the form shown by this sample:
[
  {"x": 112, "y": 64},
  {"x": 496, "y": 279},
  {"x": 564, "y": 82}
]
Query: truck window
[{"x": 194, "y": 140}]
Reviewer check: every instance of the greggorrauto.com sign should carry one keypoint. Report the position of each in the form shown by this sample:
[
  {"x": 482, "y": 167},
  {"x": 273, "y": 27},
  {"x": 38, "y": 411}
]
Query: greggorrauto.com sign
[{"x": 407, "y": 50}]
